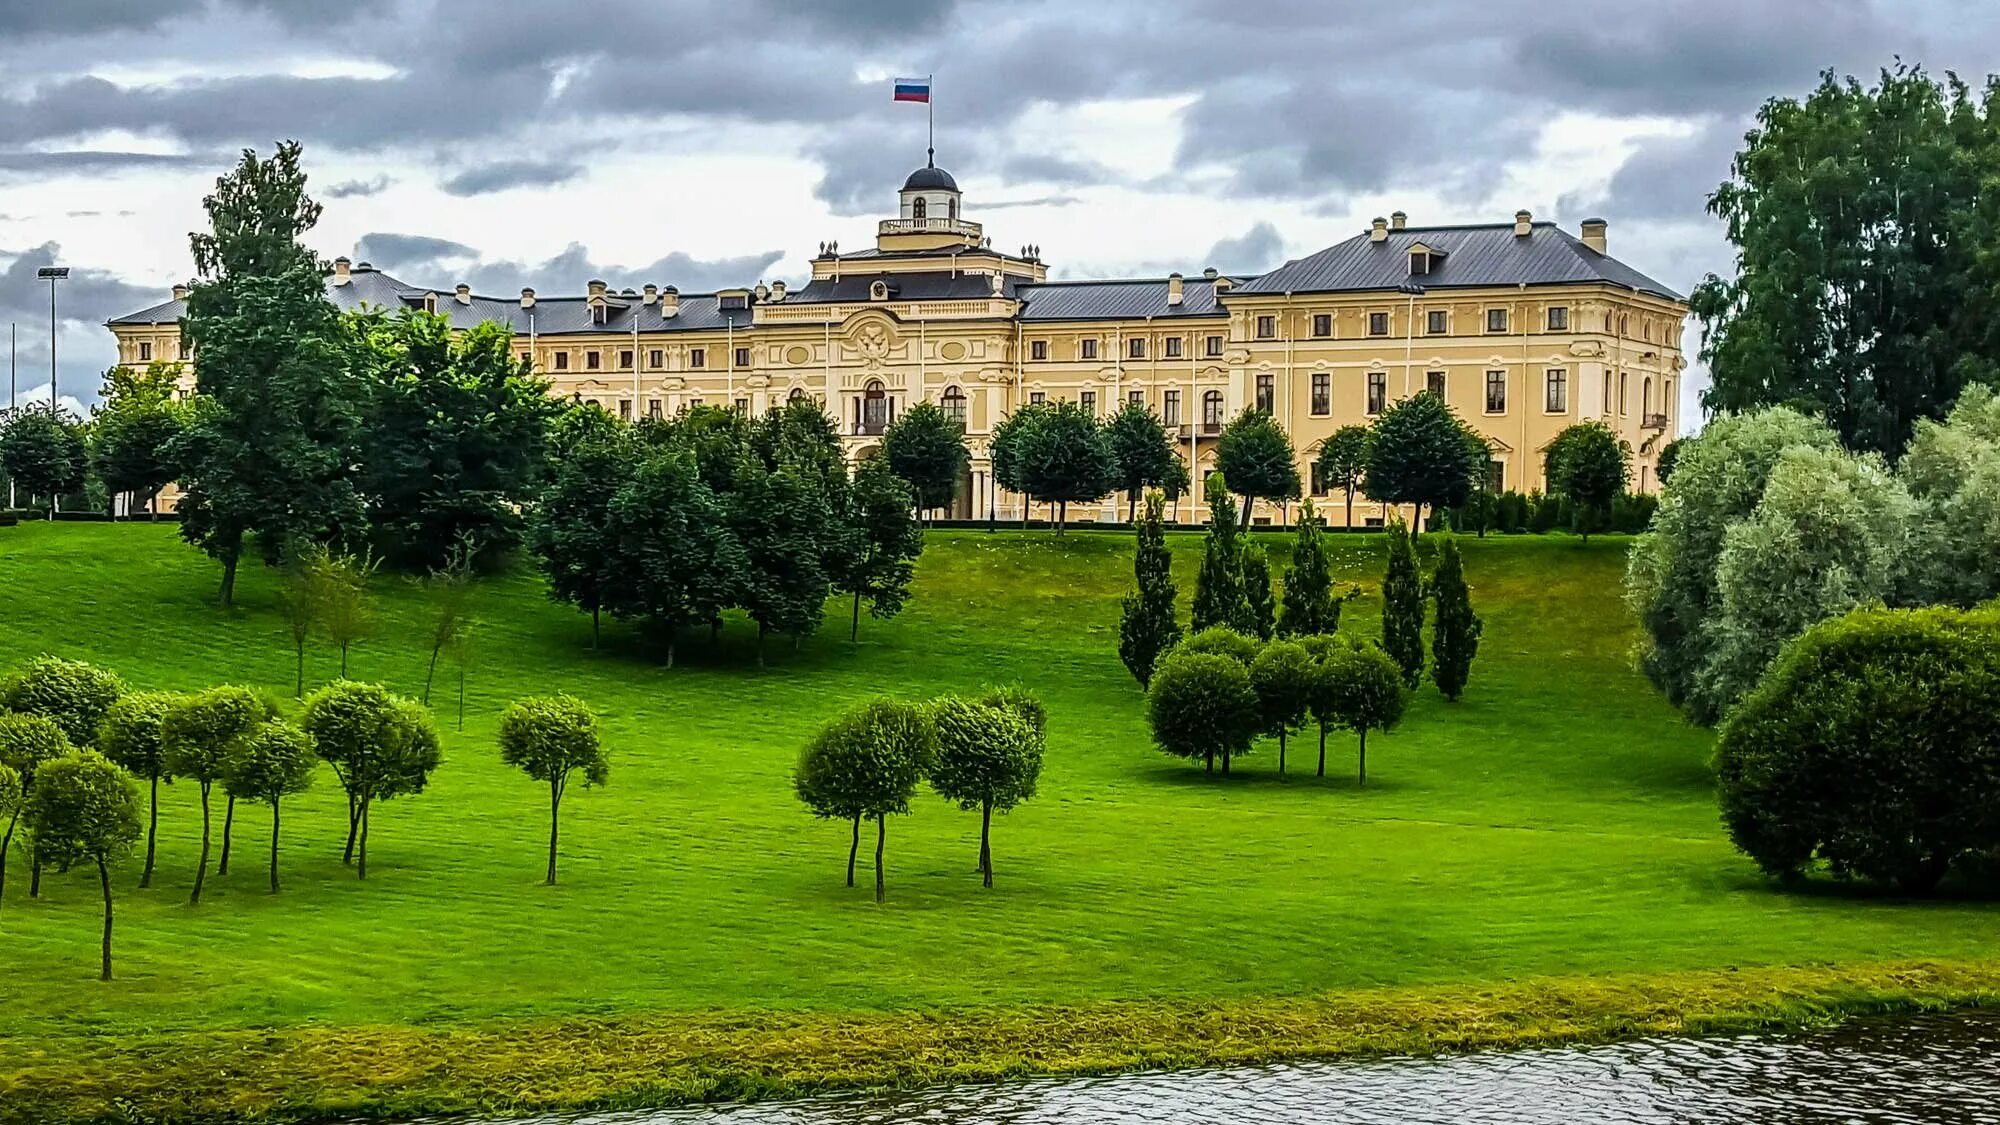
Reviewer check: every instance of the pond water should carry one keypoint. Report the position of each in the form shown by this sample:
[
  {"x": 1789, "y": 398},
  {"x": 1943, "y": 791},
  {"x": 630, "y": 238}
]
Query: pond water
[{"x": 1933, "y": 1070}]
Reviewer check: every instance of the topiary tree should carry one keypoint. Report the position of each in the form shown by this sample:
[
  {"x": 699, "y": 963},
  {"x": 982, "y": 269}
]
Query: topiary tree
[
  {"x": 1343, "y": 462},
  {"x": 1363, "y": 687},
  {"x": 1310, "y": 606},
  {"x": 200, "y": 737},
  {"x": 1261, "y": 610},
  {"x": 1255, "y": 455},
  {"x": 1403, "y": 607},
  {"x": 1025, "y": 704},
  {"x": 1220, "y": 640},
  {"x": 73, "y": 694},
  {"x": 274, "y": 762},
  {"x": 1590, "y": 465},
  {"x": 1218, "y": 585},
  {"x": 549, "y": 738},
  {"x": 1283, "y": 676},
  {"x": 988, "y": 758},
  {"x": 27, "y": 742},
  {"x": 85, "y": 809},
  {"x": 133, "y": 735},
  {"x": 926, "y": 447},
  {"x": 380, "y": 746},
  {"x": 1455, "y": 631},
  {"x": 1146, "y": 623},
  {"x": 1870, "y": 747},
  {"x": 866, "y": 763},
  {"x": 1202, "y": 706},
  {"x": 1325, "y": 698}
]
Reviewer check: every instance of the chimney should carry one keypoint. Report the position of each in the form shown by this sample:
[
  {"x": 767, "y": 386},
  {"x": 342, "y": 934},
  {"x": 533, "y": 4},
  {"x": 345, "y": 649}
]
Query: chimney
[
  {"x": 463, "y": 293},
  {"x": 1210, "y": 273},
  {"x": 527, "y": 298},
  {"x": 597, "y": 288},
  {"x": 778, "y": 290},
  {"x": 1593, "y": 234},
  {"x": 652, "y": 293},
  {"x": 670, "y": 301},
  {"x": 1174, "y": 291},
  {"x": 1398, "y": 220},
  {"x": 342, "y": 271},
  {"x": 1524, "y": 223},
  {"x": 180, "y": 292},
  {"x": 1379, "y": 231}
]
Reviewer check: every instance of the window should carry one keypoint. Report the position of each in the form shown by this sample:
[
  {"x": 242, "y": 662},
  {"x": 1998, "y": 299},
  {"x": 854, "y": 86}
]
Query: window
[
  {"x": 1496, "y": 477},
  {"x": 954, "y": 405},
  {"x": 1646, "y": 330},
  {"x": 697, "y": 357},
  {"x": 1135, "y": 348},
  {"x": 1086, "y": 349},
  {"x": 878, "y": 290},
  {"x": 1038, "y": 397},
  {"x": 1322, "y": 324},
  {"x": 797, "y": 394},
  {"x": 1173, "y": 347},
  {"x": 1434, "y": 382},
  {"x": 1558, "y": 318},
  {"x": 1437, "y": 322},
  {"x": 1558, "y": 391},
  {"x": 1496, "y": 320},
  {"x": 593, "y": 359},
  {"x": 1267, "y": 327},
  {"x": 873, "y": 407},
  {"x": 1378, "y": 391},
  {"x": 1607, "y": 392},
  {"x": 1623, "y": 381},
  {"x": 1322, "y": 394},
  {"x": 1666, "y": 396},
  {"x": 1378, "y": 324},
  {"x": 1136, "y": 398},
  {"x": 145, "y": 351},
  {"x": 1496, "y": 392},
  {"x": 1038, "y": 349},
  {"x": 920, "y": 209},
  {"x": 1089, "y": 401},
  {"x": 1267, "y": 392},
  {"x": 656, "y": 359},
  {"x": 1211, "y": 411},
  {"x": 1317, "y": 483},
  {"x": 653, "y": 409},
  {"x": 625, "y": 359},
  {"x": 625, "y": 409},
  {"x": 562, "y": 361},
  {"x": 1214, "y": 346},
  {"x": 181, "y": 349},
  {"x": 1646, "y": 395},
  {"x": 1621, "y": 324},
  {"x": 742, "y": 406},
  {"x": 742, "y": 357},
  {"x": 1170, "y": 408}
]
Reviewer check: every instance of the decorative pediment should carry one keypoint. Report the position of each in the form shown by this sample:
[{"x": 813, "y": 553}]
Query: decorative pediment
[{"x": 1586, "y": 349}]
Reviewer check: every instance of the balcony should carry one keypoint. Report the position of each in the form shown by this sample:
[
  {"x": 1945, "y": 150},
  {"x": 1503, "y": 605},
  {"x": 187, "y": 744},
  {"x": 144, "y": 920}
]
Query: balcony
[
  {"x": 958, "y": 227},
  {"x": 1653, "y": 422}
]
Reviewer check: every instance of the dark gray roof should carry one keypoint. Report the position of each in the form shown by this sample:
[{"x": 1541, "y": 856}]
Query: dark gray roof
[
  {"x": 930, "y": 178},
  {"x": 1111, "y": 300},
  {"x": 940, "y": 285},
  {"x": 167, "y": 312},
  {"x": 1486, "y": 255}
]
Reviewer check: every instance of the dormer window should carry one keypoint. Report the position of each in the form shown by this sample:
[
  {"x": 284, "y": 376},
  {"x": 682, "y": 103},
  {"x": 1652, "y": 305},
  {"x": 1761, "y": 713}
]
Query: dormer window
[
  {"x": 735, "y": 300},
  {"x": 1423, "y": 258},
  {"x": 600, "y": 314},
  {"x": 879, "y": 290}
]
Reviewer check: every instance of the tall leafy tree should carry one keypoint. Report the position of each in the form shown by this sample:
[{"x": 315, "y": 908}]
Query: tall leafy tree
[
  {"x": 549, "y": 738},
  {"x": 1147, "y": 626},
  {"x": 274, "y": 763},
  {"x": 1260, "y": 609},
  {"x": 780, "y": 518},
  {"x": 132, "y": 436},
  {"x": 1218, "y": 585},
  {"x": 1342, "y": 462},
  {"x": 1403, "y": 607},
  {"x": 268, "y": 451},
  {"x": 988, "y": 758},
  {"x": 1010, "y": 436},
  {"x": 926, "y": 447},
  {"x": 1590, "y": 464},
  {"x": 1143, "y": 451},
  {"x": 1310, "y": 606},
  {"x": 83, "y": 810},
  {"x": 1065, "y": 457},
  {"x": 879, "y": 504},
  {"x": 133, "y": 734},
  {"x": 1255, "y": 455},
  {"x": 672, "y": 558},
  {"x": 380, "y": 746},
  {"x": 571, "y": 530},
  {"x": 865, "y": 765},
  {"x": 1455, "y": 628},
  {"x": 1421, "y": 454},
  {"x": 42, "y": 449}
]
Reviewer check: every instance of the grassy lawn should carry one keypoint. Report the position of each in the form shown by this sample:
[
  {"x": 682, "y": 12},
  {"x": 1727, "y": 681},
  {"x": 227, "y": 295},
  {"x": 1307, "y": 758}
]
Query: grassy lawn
[{"x": 1558, "y": 821}]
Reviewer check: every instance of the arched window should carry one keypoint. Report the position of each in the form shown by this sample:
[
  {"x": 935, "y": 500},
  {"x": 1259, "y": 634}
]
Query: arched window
[
  {"x": 953, "y": 401},
  {"x": 797, "y": 394},
  {"x": 952, "y": 205},
  {"x": 920, "y": 208},
  {"x": 1646, "y": 396},
  {"x": 1211, "y": 411},
  {"x": 874, "y": 408},
  {"x": 878, "y": 291}
]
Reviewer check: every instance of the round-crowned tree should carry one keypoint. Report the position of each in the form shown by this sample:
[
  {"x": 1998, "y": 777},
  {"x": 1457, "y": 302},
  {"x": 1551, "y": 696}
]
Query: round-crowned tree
[
  {"x": 74, "y": 694},
  {"x": 84, "y": 809},
  {"x": 132, "y": 736},
  {"x": 926, "y": 447},
  {"x": 380, "y": 746},
  {"x": 988, "y": 758},
  {"x": 1255, "y": 455},
  {"x": 274, "y": 762},
  {"x": 1219, "y": 640},
  {"x": 1283, "y": 676},
  {"x": 200, "y": 737},
  {"x": 1362, "y": 687},
  {"x": 1872, "y": 748},
  {"x": 549, "y": 738},
  {"x": 866, "y": 763},
  {"x": 1024, "y": 703},
  {"x": 1202, "y": 706},
  {"x": 27, "y": 742}
]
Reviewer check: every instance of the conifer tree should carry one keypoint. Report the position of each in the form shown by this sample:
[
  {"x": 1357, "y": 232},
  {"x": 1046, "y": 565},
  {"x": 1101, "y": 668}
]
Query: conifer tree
[
  {"x": 1455, "y": 631},
  {"x": 1147, "y": 627},
  {"x": 1403, "y": 607},
  {"x": 1310, "y": 607},
  {"x": 1261, "y": 616},
  {"x": 1218, "y": 586}
]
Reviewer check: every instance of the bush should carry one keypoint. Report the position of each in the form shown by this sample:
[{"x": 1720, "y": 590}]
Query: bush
[
  {"x": 1510, "y": 512},
  {"x": 1632, "y": 512},
  {"x": 1871, "y": 746},
  {"x": 73, "y": 694},
  {"x": 1201, "y": 705},
  {"x": 1220, "y": 640}
]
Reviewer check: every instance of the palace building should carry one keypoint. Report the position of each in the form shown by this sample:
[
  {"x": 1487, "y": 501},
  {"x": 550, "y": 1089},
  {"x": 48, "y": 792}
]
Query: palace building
[{"x": 1523, "y": 327}]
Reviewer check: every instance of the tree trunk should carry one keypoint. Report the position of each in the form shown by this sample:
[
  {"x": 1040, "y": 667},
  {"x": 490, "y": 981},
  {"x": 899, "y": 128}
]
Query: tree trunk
[
  {"x": 1350, "y": 507},
  {"x": 1131, "y": 505},
  {"x": 299, "y": 684},
  {"x": 201, "y": 872},
  {"x": 1243, "y": 521},
  {"x": 226, "y": 596},
  {"x": 6, "y": 842},
  {"x": 714, "y": 630},
  {"x": 853, "y": 850},
  {"x": 228, "y": 829},
  {"x": 985, "y": 841},
  {"x": 152, "y": 834},
  {"x": 1062, "y": 518},
  {"x": 555, "y": 813},
  {"x": 1281, "y": 751},
  {"x": 854, "y": 634},
  {"x": 1361, "y": 776},
  {"x": 761, "y": 630},
  {"x": 1225, "y": 763},
  {"x": 596, "y": 627},
  {"x": 274, "y": 847},
  {"x": 361, "y": 857},
  {"x": 104, "y": 881},
  {"x": 34, "y": 871},
  {"x": 430, "y": 673},
  {"x": 881, "y": 834},
  {"x": 353, "y": 827},
  {"x": 1208, "y": 762},
  {"x": 343, "y": 660},
  {"x": 1322, "y": 751}
]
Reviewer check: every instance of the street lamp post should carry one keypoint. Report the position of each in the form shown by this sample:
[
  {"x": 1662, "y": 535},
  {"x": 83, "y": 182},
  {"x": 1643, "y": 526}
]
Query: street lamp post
[{"x": 52, "y": 274}]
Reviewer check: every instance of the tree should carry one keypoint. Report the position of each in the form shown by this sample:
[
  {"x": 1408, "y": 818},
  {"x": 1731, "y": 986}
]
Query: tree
[
  {"x": 571, "y": 529},
  {"x": 1952, "y": 472},
  {"x": 878, "y": 507},
  {"x": 1363, "y": 688},
  {"x": 1403, "y": 607},
  {"x": 298, "y": 604},
  {"x": 1455, "y": 631},
  {"x": 274, "y": 762},
  {"x": 1868, "y": 747},
  {"x": 1221, "y": 640},
  {"x": 1219, "y": 598},
  {"x": 1065, "y": 457},
  {"x": 674, "y": 559},
  {"x": 200, "y": 737},
  {"x": 1262, "y": 612},
  {"x": 340, "y": 591},
  {"x": 1283, "y": 676},
  {"x": 132, "y": 436},
  {"x": 1255, "y": 455},
  {"x": 71, "y": 693},
  {"x": 1863, "y": 283},
  {"x": 988, "y": 758},
  {"x": 550, "y": 737},
  {"x": 1142, "y": 451},
  {"x": 1146, "y": 625},
  {"x": 1591, "y": 465},
  {"x": 866, "y": 763},
  {"x": 84, "y": 809},
  {"x": 457, "y": 426},
  {"x": 1663, "y": 464},
  {"x": 1025, "y": 704},
  {"x": 1422, "y": 454},
  {"x": 1325, "y": 699},
  {"x": 27, "y": 743},
  {"x": 1201, "y": 705},
  {"x": 1004, "y": 447},
  {"x": 1343, "y": 462},
  {"x": 780, "y": 519},
  {"x": 926, "y": 447},
  {"x": 451, "y": 589},
  {"x": 270, "y": 445},
  {"x": 379, "y": 745},
  {"x": 43, "y": 451},
  {"x": 1309, "y": 606},
  {"x": 133, "y": 734}
]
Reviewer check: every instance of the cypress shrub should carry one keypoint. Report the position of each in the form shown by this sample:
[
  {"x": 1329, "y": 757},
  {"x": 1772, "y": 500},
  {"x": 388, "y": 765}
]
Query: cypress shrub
[
  {"x": 1147, "y": 627},
  {"x": 1403, "y": 607},
  {"x": 1455, "y": 630}
]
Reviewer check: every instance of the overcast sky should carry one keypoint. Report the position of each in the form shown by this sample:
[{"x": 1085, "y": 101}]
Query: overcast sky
[{"x": 510, "y": 143}]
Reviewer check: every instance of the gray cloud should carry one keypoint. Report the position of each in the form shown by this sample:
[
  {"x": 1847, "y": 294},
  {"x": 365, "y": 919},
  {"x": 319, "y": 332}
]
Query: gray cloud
[
  {"x": 352, "y": 189},
  {"x": 84, "y": 301},
  {"x": 1253, "y": 252},
  {"x": 394, "y": 251},
  {"x": 442, "y": 263},
  {"x": 22, "y": 165},
  {"x": 1667, "y": 178},
  {"x": 502, "y": 175}
]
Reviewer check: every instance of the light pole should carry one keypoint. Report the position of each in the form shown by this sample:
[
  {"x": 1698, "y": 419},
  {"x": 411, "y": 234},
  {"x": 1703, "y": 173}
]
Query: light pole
[{"x": 53, "y": 274}]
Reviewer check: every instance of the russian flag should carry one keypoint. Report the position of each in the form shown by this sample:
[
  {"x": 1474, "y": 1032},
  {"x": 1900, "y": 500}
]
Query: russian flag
[{"x": 913, "y": 89}]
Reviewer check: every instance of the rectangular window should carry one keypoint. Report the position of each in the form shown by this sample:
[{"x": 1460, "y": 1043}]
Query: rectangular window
[
  {"x": 1316, "y": 481},
  {"x": 1267, "y": 327},
  {"x": 656, "y": 359},
  {"x": 1496, "y": 477},
  {"x": 653, "y": 410},
  {"x": 1086, "y": 349},
  {"x": 1496, "y": 320},
  {"x": 1607, "y": 392},
  {"x": 1624, "y": 381},
  {"x": 145, "y": 351},
  {"x": 743, "y": 406},
  {"x": 1558, "y": 391},
  {"x": 1437, "y": 322},
  {"x": 1322, "y": 394},
  {"x": 1496, "y": 392},
  {"x": 697, "y": 357},
  {"x": 1135, "y": 348},
  {"x": 593, "y": 359},
  {"x": 1434, "y": 382},
  {"x": 742, "y": 357},
  {"x": 1173, "y": 347},
  {"x": 1267, "y": 392},
  {"x": 1038, "y": 349},
  {"x": 1378, "y": 391},
  {"x": 180, "y": 349},
  {"x": 1558, "y": 318},
  {"x": 1136, "y": 398},
  {"x": 1214, "y": 346},
  {"x": 1170, "y": 408},
  {"x": 562, "y": 364},
  {"x": 625, "y": 359},
  {"x": 1089, "y": 401},
  {"x": 1322, "y": 325},
  {"x": 1038, "y": 397},
  {"x": 1378, "y": 324},
  {"x": 625, "y": 409}
]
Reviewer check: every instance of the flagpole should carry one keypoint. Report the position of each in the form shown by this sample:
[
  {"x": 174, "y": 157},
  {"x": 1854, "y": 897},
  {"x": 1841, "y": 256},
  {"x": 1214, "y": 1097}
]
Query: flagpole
[{"x": 930, "y": 104}]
